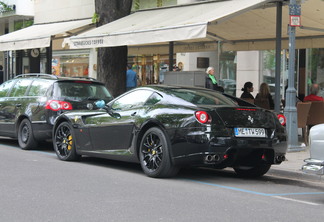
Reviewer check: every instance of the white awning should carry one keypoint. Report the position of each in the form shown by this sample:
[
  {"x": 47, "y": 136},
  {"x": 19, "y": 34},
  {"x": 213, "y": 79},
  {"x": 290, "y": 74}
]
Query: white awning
[
  {"x": 40, "y": 35},
  {"x": 239, "y": 25},
  {"x": 178, "y": 23}
]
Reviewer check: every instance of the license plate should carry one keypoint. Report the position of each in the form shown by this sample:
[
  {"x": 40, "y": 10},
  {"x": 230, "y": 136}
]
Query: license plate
[{"x": 249, "y": 132}]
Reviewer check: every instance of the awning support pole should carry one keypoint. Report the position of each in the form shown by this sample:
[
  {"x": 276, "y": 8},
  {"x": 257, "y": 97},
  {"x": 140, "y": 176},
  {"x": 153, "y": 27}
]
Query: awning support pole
[
  {"x": 277, "y": 98},
  {"x": 49, "y": 59},
  {"x": 171, "y": 44}
]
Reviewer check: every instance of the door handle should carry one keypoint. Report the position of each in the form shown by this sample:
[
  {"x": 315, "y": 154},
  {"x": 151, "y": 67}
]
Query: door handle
[
  {"x": 18, "y": 105},
  {"x": 133, "y": 114}
]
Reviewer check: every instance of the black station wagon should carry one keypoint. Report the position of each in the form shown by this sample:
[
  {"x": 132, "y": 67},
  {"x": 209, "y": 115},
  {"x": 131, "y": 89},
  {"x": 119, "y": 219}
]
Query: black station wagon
[{"x": 30, "y": 103}]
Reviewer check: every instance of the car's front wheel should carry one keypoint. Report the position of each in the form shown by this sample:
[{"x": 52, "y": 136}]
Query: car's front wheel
[
  {"x": 63, "y": 142},
  {"x": 154, "y": 154},
  {"x": 26, "y": 138},
  {"x": 253, "y": 171}
]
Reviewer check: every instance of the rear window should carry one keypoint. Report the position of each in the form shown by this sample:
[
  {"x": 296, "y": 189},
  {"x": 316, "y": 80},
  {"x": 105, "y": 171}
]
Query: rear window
[
  {"x": 201, "y": 97},
  {"x": 82, "y": 90}
]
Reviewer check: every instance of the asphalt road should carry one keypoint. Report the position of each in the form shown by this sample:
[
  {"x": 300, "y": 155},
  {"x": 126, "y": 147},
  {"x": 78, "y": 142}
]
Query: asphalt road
[{"x": 36, "y": 186}]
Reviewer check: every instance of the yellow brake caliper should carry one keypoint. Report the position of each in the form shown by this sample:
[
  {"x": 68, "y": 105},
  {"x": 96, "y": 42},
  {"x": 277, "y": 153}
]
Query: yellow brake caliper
[{"x": 69, "y": 142}]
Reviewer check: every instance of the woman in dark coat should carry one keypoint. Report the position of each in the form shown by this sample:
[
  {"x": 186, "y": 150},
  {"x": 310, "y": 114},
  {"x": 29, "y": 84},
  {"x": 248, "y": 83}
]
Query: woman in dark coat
[
  {"x": 247, "y": 89},
  {"x": 264, "y": 98}
]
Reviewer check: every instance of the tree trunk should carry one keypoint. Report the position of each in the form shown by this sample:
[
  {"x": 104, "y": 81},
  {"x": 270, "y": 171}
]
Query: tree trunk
[{"x": 112, "y": 61}]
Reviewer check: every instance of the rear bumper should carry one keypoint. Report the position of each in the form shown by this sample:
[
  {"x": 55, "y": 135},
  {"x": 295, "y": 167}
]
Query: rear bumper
[
  {"x": 228, "y": 151},
  {"x": 313, "y": 166}
]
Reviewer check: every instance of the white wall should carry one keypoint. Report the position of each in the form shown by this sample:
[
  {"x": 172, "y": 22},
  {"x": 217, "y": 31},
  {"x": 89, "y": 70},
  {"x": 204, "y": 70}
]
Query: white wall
[
  {"x": 248, "y": 69},
  {"x": 189, "y": 60},
  {"x": 62, "y": 10}
]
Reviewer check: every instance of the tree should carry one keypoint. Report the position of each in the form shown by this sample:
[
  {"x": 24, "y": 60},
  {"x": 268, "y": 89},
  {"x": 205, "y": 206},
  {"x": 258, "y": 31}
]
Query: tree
[{"x": 112, "y": 61}]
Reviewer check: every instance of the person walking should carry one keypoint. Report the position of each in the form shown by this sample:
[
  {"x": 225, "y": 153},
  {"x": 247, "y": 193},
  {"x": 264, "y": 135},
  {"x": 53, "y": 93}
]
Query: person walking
[{"x": 131, "y": 78}]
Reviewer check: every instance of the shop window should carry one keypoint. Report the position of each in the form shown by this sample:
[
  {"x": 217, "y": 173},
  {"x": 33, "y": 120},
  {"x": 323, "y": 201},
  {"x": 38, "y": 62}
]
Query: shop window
[{"x": 70, "y": 65}]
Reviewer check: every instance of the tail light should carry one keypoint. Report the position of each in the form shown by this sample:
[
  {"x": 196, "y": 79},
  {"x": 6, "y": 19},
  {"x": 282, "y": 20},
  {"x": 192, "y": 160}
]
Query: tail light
[
  {"x": 57, "y": 105},
  {"x": 202, "y": 117},
  {"x": 282, "y": 119}
]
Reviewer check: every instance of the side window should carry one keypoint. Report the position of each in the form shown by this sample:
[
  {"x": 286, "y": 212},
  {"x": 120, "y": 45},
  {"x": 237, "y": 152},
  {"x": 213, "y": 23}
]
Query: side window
[
  {"x": 19, "y": 89},
  {"x": 39, "y": 88},
  {"x": 154, "y": 98},
  {"x": 131, "y": 100},
  {"x": 5, "y": 87}
]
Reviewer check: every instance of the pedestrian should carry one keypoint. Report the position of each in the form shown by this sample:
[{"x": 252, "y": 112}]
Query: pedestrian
[
  {"x": 247, "y": 89},
  {"x": 211, "y": 82},
  {"x": 313, "y": 94},
  {"x": 264, "y": 98},
  {"x": 131, "y": 78},
  {"x": 1, "y": 74}
]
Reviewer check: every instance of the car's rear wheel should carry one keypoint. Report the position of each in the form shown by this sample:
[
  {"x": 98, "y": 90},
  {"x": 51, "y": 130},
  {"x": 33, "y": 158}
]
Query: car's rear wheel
[
  {"x": 154, "y": 154},
  {"x": 63, "y": 142},
  {"x": 26, "y": 138},
  {"x": 252, "y": 171}
]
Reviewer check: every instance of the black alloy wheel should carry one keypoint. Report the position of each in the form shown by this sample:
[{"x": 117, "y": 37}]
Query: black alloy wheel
[
  {"x": 26, "y": 138},
  {"x": 154, "y": 154},
  {"x": 63, "y": 142}
]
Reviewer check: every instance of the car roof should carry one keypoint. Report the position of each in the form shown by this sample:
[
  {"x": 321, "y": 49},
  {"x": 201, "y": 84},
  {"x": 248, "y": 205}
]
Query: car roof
[{"x": 55, "y": 77}]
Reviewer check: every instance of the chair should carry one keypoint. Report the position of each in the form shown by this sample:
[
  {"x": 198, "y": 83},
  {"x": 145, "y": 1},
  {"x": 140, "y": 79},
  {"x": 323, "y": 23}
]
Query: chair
[
  {"x": 316, "y": 113},
  {"x": 302, "y": 116}
]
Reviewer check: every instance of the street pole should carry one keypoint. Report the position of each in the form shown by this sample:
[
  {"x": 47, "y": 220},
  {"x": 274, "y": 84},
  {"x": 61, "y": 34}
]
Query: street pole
[{"x": 290, "y": 108}]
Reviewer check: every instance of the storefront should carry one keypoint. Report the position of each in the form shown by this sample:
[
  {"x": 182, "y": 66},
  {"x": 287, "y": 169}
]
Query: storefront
[
  {"x": 70, "y": 63},
  {"x": 150, "y": 68}
]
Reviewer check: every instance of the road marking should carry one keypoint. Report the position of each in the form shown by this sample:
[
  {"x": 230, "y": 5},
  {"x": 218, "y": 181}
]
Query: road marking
[
  {"x": 278, "y": 195},
  {"x": 298, "y": 201}
]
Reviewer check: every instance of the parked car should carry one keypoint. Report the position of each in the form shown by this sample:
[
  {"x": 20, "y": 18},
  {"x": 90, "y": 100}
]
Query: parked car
[
  {"x": 30, "y": 103},
  {"x": 167, "y": 127},
  {"x": 315, "y": 164}
]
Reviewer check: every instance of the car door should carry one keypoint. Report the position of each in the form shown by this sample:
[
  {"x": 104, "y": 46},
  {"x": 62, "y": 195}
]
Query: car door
[
  {"x": 5, "y": 114},
  {"x": 14, "y": 105},
  {"x": 115, "y": 131}
]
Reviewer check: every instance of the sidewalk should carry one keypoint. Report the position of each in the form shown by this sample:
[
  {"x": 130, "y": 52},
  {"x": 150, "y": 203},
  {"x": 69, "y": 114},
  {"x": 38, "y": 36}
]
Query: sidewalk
[{"x": 291, "y": 167}]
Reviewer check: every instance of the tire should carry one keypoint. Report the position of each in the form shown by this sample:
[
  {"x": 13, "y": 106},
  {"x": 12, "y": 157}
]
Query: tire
[
  {"x": 252, "y": 172},
  {"x": 26, "y": 138},
  {"x": 64, "y": 143},
  {"x": 154, "y": 154}
]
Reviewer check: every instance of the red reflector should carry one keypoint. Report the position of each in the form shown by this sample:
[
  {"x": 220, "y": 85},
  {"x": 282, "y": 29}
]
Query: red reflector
[
  {"x": 282, "y": 119},
  {"x": 263, "y": 157},
  {"x": 202, "y": 117},
  {"x": 225, "y": 156},
  {"x": 245, "y": 109}
]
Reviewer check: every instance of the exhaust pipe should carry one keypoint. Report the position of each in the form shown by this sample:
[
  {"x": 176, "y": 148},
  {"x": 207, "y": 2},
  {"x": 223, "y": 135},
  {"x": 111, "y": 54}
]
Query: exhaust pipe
[
  {"x": 281, "y": 158},
  {"x": 209, "y": 158}
]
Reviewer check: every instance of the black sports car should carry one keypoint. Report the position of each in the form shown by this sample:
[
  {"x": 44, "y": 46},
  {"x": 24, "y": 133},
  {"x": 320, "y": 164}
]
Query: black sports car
[{"x": 165, "y": 128}]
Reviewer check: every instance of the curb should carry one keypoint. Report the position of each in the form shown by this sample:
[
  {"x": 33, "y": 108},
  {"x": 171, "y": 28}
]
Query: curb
[{"x": 296, "y": 175}]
